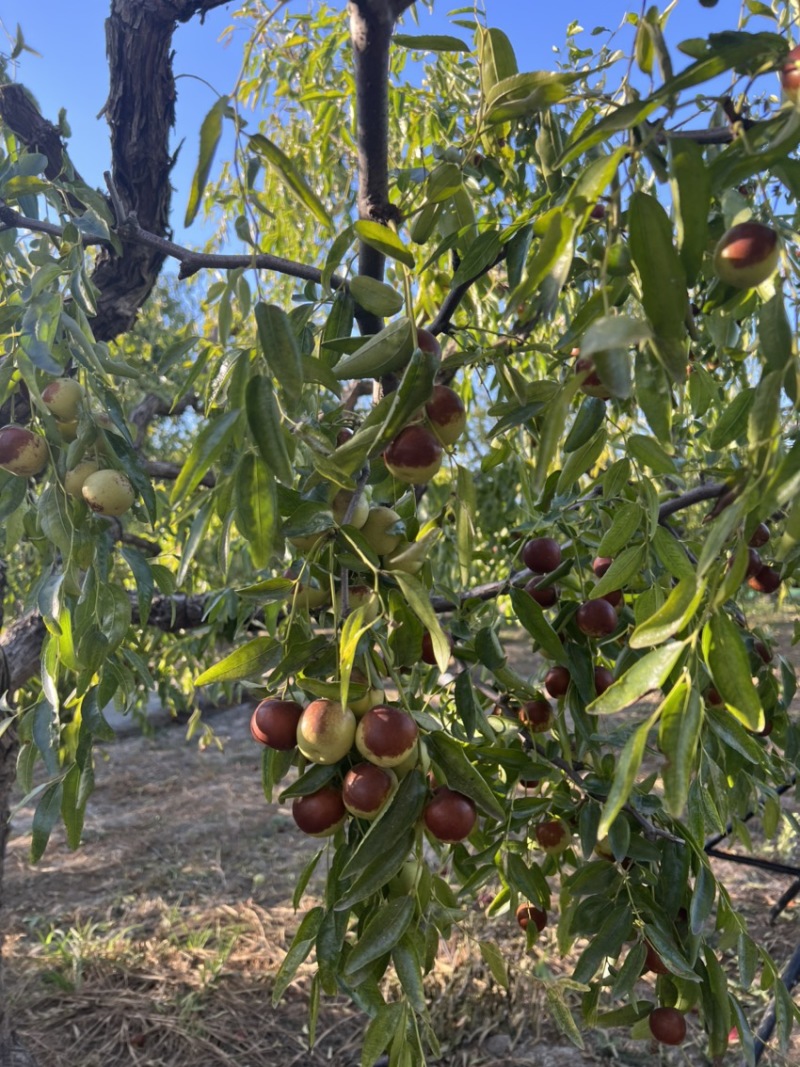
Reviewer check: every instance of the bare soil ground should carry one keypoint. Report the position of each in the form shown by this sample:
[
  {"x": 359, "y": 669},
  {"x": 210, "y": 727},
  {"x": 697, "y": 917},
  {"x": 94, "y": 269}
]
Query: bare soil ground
[{"x": 158, "y": 941}]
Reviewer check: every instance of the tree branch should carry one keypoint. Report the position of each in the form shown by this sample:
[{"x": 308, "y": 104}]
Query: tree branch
[
  {"x": 371, "y": 26},
  {"x": 693, "y": 496},
  {"x": 455, "y": 296}
]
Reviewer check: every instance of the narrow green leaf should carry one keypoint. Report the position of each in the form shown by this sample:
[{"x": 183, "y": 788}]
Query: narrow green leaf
[
  {"x": 628, "y": 764},
  {"x": 388, "y": 1021},
  {"x": 44, "y": 819},
  {"x": 530, "y": 614},
  {"x": 396, "y": 818},
  {"x": 383, "y": 353},
  {"x": 732, "y": 422},
  {"x": 256, "y": 508},
  {"x": 495, "y": 960},
  {"x": 384, "y": 240},
  {"x": 291, "y": 177},
  {"x": 729, "y": 664},
  {"x": 628, "y": 519},
  {"x": 679, "y": 607},
  {"x": 628, "y": 563},
  {"x": 210, "y": 132},
  {"x": 299, "y": 949},
  {"x": 669, "y": 550},
  {"x": 278, "y": 342},
  {"x": 691, "y": 187},
  {"x": 428, "y": 42},
  {"x": 382, "y": 932},
  {"x": 207, "y": 447},
  {"x": 646, "y": 674},
  {"x": 605, "y": 944},
  {"x": 249, "y": 661},
  {"x": 374, "y": 296},
  {"x": 662, "y": 275},
  {"x": 417, "y": 598},
  {"x": 264, "y": 420},
  {"x": 678, "y": 737}
]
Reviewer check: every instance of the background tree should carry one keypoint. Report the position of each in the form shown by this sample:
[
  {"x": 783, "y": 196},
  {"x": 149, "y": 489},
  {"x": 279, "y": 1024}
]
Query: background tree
[{"x": 607, "y": 251}]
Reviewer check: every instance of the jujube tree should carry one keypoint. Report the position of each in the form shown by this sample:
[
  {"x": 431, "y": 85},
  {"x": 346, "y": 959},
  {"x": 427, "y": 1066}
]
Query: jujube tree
[{"x": 520, "y": 348}]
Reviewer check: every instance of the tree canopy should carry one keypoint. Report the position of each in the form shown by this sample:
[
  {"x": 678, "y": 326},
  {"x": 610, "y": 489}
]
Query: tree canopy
[{"x": 471, "y": 348}]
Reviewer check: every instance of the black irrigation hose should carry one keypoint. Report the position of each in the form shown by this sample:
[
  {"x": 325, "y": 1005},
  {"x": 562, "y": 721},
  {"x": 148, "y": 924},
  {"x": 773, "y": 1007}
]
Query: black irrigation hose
[
  {"x": 784, "y": 901},
  {"x": 790, "y": 976},
  {"x": 754, "y": 861}
]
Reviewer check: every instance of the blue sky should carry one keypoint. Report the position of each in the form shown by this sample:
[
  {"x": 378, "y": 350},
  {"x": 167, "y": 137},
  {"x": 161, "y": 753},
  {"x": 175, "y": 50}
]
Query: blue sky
[{"x": 72, "y": 73}]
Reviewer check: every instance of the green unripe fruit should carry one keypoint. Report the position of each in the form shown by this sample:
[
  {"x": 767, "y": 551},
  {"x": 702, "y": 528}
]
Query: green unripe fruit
[{"x": 108, "y": 493}]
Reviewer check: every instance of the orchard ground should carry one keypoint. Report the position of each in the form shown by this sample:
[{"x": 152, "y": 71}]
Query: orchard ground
[{"x": 158, "y": 941}]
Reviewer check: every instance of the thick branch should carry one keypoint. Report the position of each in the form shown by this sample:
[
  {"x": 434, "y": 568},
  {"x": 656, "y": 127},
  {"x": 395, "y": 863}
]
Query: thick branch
[
  {"x": 693, "y": 496},
  {"x": 371, "y": 26},
  {"x": 455, "y": 296}
]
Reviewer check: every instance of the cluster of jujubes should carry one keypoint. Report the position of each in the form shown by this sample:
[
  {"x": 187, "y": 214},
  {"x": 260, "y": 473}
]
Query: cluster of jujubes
[
  {"x": 87, "y": 476},
  {"x": 372, "y": 747}
]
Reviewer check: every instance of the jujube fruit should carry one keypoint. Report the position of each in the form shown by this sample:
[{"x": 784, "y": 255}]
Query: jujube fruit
[
  {"x": 274, "y": 723},
  {"x": 537, "y": 715},
  {"x": 541, "y": 555},
  {"x": 529, "y": 913},
  {"x": 63, "y": 398},
  {"x": 596, "y": 618},
  {"x": 446, "y": 414},
  {"x": 320, "y": 814},
  {"x": 760, "y": 536},
  {"x": 546, "y": 597},
  {"x": 603, "y": 679},
  {"x": 746, "y": 254},
  {"x": 326, "y": 731},
  {"x": 414, "y": 456},
  {"x": 75, "y": 478},
  {"x": 556, "y": 681},
  {"x": 366, "y": 789},
  {"x": 667, "y": 1025},
  {"x": 386, "y": 735},
  {"x": 450, "y": 816},
  {"x": 22, "y": 452},
  {"x": 552, "y": 836},
  {"x": 108, "y": 493},
  {"x": 766, "y": 580}
]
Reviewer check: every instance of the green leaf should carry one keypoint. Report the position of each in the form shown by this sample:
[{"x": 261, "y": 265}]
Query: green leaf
[
  {"x": 775, "y": 337},
  {"x": 374, "y": 296},
  {"x": 527, "y": 880},
  {"x": 605, "y": 944},
  {"x": 732, "y": 422},
  {"x": 461, "y": 775},
  {"x": 679, "y": 607},
  {"x": 278, "y": 342},
  {"x": 662, "y": 275},
  {"x": 406, "y": 960},
  {"x": 497, "y": 59},
  {"x": 256, "y": 508},
  {"x": 44, "y": 819},
  {"x": 671, "y": 554},
  {"x": 417, "y": 598},
  {"x": 591, "y": 416},
  {"x": 653, "y": 394},
  {"x": 495, "y": 960},
  {"x": 561, "y": 1014},
  {"x": 388, "y": 1021},
  {"x": 384, "y": 929},
  {"x": 145, "y": 583},
  {"x": 691, "y": 189},
  {"x": 581, "y": 461},
  {"x": 291, "y": 177},
  {"x": 210, "y": 132},
  {"x": 423, "y": 42},
  {"x": 384, "y": 353},
  {"x": 400, "y": 815},
  {"x": 530, "y": 614},
  {"x": 627, "y": 521},
  {"x": 264, "y": 420},
  {"x": 678, "y": 737},
  {"x": 647, "y": 452},
  {"x": 628, "y": 563},
  {"x": 628, "y": 764},
  {"x": 729, "y": 664},
  {"x": 299, "y": 949},
  {"x": 208, "y": 446},
  {"x": 385, "y": 241},
  {"x": 249, "y": 661},
  {"x": 646, "y": 674}
]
